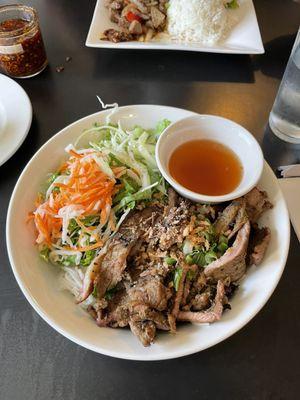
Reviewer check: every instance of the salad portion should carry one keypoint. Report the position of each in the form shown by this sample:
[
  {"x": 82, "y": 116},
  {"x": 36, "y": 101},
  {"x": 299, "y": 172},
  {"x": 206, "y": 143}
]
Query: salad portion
[{"x": 84, "y": 202}]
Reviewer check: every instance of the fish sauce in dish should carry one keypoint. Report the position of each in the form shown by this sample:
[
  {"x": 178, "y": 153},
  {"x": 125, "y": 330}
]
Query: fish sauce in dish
[{"x": 206, "y": 166}]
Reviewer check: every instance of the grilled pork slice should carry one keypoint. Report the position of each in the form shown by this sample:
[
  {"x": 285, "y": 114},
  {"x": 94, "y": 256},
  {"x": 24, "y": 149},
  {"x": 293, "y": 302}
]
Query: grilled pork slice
[
  {"x": 214, "y": 313},
  {"x": 107, "y": 269},
  {"x": 258, "y": 244},
  {"x": 150, "y": 291},
  {"x": 232, "y": 264},
  {"x": 144, "y": 330},
  {"x": 257, "y": 203},
  {"x": 231, "y": 219},
  {"x": 169, "y": 228}
]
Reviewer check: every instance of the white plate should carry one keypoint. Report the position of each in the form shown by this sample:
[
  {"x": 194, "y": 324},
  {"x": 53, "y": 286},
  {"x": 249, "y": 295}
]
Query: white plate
[
  {"x": 39, "y": 281},
  {"x": 244, "y": 37},
  {"x": 15, "y": 117}
]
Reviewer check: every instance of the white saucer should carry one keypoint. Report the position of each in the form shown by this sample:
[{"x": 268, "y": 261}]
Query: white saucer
[{"x": 15, "y": 117}]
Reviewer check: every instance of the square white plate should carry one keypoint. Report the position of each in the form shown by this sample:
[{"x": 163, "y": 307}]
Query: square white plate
[{"x": 244, "y": 37}]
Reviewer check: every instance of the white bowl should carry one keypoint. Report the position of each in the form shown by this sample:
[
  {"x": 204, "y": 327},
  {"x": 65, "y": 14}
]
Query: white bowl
[
  {"x": 39, "y": 281},
  {"x": 218, "y": 129}
]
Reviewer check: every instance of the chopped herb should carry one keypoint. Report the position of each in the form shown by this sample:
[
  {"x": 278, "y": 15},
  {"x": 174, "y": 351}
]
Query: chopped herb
[
  {"x": 72, "y": 225},
  {"x": 73, "y": 229},
  {"x": 199, "y": 258},
  {"x": 223, "y": 244},
  {"x": 44, "y": 254},
  {"x": 223, "y": 239},
  {"x": 202, "y": 258},
  {"x": 177, "y": 278},
  {"x": 189, "y": 259},
  {"x": 90, "y": 220},
  {"x": 67, "y": 261},
  {"x": 210, "y": 256},
  {"x": 191, "y": 274},
  {"x": 88, "y": 258},
  {"x": 170, "y": 261},
  {"x": 210, "y": 234},
  {"x": 110, "y": 293},
  {"x": 95, "y": 291},
  {"x": 52, "y": 178},
  {"x": 233, "y": 4},
  {"x": 222, "y": 247}
]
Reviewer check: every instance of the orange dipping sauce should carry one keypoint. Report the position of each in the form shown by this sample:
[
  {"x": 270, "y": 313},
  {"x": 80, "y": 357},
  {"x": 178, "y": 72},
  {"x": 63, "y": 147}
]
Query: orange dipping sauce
[{"x": 206, "y": 167}]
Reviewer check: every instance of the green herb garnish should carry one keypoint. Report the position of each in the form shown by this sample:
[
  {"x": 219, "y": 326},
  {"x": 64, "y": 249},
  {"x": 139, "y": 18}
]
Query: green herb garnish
[
  {"x": 44, "y": 253},
  {"x": 177, "y": 278},
  {"x": 88, "y": 258},
  {"x": 110, "y": 293},
  {"x": 191, "y": 274},
  {"x": 95, "y": 291},
  {"x": 170, "y": 261},
  {"x": 222, "y": 247},
  {"x": 233, "y": 4}
]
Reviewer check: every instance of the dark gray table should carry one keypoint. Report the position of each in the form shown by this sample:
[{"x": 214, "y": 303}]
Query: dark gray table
[{"x": 259, "y": 362}]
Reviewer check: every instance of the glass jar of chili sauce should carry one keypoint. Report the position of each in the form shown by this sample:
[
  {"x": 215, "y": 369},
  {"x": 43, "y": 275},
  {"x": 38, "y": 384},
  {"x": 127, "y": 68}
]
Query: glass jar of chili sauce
[{"x": 22, "y": 51}]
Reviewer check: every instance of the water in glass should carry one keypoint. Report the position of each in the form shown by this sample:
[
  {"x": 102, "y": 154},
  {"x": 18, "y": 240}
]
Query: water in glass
[{"x": 285, "y": 115}]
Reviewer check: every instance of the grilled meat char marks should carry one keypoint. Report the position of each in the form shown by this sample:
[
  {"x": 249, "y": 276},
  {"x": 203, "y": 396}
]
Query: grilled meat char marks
[
  {"x": 107, "y": 268},
  {"x": 170, "y": 227},
  {"x": 144, "y": 330},
  {"x": 258, "y": 244},
  {"x": 133, "y": 267},
  {"x": 113, "y": 265},
  {"x": 150, "y": 291},
  {"x": 257, "y": 203},
  {"x": 232, "y": 264},
  {"x": 213, "y": 314},
  {"x": 231, "y": 219}
]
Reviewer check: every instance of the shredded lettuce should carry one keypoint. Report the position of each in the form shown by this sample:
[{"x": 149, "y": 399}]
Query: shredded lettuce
[
  {"x": 67, "y": 260},
  {"x": 139, "y": 181},
  {"x": 133, "y": 149},
  {"x": 88, "y": 257}
]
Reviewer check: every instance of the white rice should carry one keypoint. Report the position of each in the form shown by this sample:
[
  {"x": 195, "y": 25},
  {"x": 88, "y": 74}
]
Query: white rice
[{"x": 204, "y": 21}]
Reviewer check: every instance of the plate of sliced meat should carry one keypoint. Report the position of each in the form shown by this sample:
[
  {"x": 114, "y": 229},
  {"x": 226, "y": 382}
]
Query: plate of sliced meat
[
  {"x": 125, "y": 266},
  {"x": 218, "y": 26}
]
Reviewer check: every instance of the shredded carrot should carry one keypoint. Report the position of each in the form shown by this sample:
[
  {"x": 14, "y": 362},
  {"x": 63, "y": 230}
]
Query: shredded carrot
[
  {"x": 30, "y": 217},
  {"x": 89, "y": 229},
  {"x": 116, "y": 170},
  {"x": 74, "y": 154},
  {"x": 87, "y": 189},
  {"x": 39, "y": 200},
  {"x": 86, "y": 248}
]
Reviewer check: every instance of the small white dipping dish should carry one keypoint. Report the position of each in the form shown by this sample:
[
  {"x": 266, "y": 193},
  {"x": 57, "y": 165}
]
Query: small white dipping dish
[{"x": 218, "y": 129}]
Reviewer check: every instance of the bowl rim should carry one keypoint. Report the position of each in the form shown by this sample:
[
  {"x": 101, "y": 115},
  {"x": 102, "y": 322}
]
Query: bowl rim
[{"x": 198, "y": 197}]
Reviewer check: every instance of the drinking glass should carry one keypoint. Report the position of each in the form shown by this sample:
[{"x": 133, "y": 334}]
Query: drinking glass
[{"x": 285, "y": 115}]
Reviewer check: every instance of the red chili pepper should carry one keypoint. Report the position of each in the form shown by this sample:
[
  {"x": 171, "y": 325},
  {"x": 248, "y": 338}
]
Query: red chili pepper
[{"x": 130, "y": 16}]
